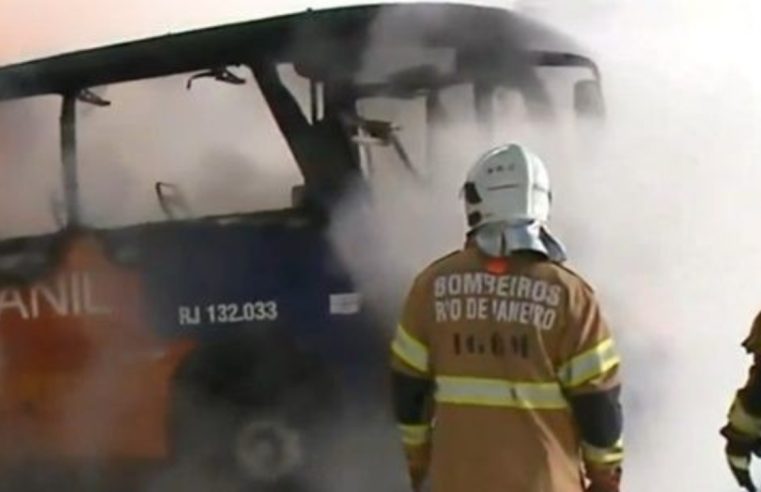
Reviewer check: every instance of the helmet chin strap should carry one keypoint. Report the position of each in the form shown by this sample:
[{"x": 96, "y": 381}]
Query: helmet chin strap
[{"x": 501, "y": 239}]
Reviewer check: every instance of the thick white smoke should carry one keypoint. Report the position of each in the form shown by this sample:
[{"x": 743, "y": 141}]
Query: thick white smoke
[
  {"x": 216, "y": 142},
  {"x": 657, "y": 209},
  {"x": 665, "y": 208},
  {"x": 30, "y": 179}
]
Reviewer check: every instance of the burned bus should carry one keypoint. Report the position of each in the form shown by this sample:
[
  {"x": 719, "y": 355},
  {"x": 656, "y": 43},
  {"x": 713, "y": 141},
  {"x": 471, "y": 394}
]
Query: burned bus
[{"x": 172, "y": 336}]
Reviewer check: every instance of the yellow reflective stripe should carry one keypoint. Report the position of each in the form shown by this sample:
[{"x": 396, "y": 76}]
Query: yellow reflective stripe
[
  {"x": 603, "y": 456},
  {"x": 740, "y": 462},
  {"x": 410, "y": 350},
  {"x": 499, "y": 393},
  {"x": 743, "y": 421},
  {"x": 414, "y": 435},
  {"x": 589, "y": 364}
]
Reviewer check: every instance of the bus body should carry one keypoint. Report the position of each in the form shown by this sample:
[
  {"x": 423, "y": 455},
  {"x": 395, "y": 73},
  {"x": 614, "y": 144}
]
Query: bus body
[{"x": 240, "y": 341}]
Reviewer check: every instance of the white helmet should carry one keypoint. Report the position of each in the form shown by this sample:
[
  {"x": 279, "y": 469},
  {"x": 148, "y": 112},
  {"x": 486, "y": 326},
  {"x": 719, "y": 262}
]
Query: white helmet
[
  {"x": 508, "y": 184},
  {"x": 507, "y": 203}
]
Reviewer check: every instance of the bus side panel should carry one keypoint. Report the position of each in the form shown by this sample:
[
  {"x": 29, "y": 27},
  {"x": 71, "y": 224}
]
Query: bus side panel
[
  {"x": 209, "y": 281},
  {"x": 82, "y": 376}
]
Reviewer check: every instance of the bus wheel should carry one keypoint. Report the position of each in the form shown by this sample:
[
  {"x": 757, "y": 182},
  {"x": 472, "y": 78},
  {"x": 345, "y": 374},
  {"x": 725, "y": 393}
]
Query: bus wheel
[
  {"x": 254, "y": 408},
  {"x": 268, "y": 450}
]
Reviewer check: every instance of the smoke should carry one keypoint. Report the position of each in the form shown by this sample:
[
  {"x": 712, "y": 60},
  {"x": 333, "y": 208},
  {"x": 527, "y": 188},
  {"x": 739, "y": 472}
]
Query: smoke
[
  {"x": 220, "y": 145},
  {"x": 665, "y": 204},
  {"x": 29, "y": 166},
  {"x": 657, "y": 210},
  {"x": 216, "y": 142}
]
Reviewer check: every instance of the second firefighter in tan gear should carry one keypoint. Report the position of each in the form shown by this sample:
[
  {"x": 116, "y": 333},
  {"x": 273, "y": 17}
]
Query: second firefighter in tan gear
[
  {"x": 743, "y": 428},
  {"x": 505, "y": 372}
]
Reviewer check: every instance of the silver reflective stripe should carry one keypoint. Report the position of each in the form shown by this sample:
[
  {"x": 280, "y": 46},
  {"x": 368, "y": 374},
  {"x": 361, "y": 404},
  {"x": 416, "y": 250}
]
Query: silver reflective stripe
[
  {"x": 613, "y": 454},
  {"x": 589, "y": 364},
  {"x": 499, "y": 393},
  {"x": 410, "y": 350},
  {"x": 414, "y": 435}
]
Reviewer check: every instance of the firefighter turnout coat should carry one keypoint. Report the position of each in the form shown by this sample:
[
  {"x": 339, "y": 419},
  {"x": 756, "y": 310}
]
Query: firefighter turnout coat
[{"x": 506, "y": 376}]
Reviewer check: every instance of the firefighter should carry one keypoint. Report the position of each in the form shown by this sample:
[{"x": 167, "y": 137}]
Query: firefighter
[
  {"x": 504, "y": 372},
  {"x": 743, "y": 429}
]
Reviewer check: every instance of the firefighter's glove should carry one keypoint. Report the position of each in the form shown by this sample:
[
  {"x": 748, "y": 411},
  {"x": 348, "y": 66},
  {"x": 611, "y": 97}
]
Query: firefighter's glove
[
  {"x": 739, "y": 449},
  {"x": 604, "y": 479}
]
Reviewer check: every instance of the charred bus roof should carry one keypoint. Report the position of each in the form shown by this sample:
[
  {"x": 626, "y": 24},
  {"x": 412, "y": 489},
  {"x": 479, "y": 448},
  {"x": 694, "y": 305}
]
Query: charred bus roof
[
  {"x": 324, "y": 44},
  {"x": 342, "y": 49}
]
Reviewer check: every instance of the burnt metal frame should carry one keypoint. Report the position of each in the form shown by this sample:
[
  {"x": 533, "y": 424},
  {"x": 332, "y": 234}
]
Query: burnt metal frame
[
  {"x": 259, "y": 44},
  {"x": 70, "y": 172}
]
